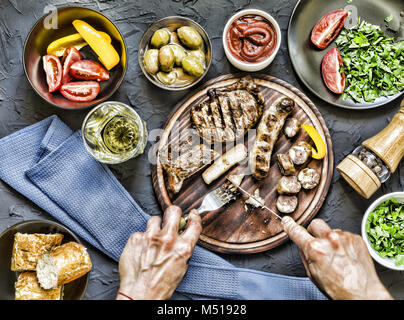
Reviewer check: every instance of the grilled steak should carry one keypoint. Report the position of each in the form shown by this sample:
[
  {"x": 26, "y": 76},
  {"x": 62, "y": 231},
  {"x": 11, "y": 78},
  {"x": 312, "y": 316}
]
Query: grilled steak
[
  {"x": 268, "y": 132},
  {"x": 188, "y": 162},
  {"x": 229, "y": 112}
]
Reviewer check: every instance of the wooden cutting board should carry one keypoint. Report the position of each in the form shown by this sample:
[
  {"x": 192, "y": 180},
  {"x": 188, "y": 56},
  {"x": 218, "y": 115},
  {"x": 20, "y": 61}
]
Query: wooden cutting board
[{"x": 232, "y": 229}]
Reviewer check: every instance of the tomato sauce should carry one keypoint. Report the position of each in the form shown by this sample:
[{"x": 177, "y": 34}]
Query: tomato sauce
[{"x": 251, "y": 38}]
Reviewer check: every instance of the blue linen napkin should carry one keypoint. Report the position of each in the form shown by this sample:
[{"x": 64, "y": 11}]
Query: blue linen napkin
[{"x": 47, "y": 163}]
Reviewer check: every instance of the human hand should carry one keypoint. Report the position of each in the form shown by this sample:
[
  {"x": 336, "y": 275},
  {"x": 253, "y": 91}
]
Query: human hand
[
  {"x": 154, "y": 263},
  {"x": 338, "y": 262}
]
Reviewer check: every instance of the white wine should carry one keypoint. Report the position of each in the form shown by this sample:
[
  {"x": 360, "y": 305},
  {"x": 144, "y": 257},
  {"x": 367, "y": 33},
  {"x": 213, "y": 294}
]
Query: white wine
[
  {"x": 113, "y": 133},
  {"x": 120, "y": 134}
]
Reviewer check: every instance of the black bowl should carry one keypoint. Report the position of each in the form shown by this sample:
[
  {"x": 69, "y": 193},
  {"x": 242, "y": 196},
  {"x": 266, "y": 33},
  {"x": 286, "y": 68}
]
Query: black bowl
[
  {"x": 306, "y": 58},
  {"x": 40, "y": 37},
  {"x": 74, "y": 290}
]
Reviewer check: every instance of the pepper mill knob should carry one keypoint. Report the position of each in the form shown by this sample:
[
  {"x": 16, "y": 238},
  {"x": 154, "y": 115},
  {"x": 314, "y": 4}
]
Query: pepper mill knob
[{"x": 388, "y": 145}]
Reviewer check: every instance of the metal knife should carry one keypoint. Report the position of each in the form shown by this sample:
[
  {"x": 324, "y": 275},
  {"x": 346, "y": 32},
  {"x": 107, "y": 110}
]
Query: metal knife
[{"x": 260, "y": 202}]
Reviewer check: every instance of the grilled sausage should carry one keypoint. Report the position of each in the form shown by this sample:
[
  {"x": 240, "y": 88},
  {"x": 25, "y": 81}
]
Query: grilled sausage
[
  {"x": 285, "y": 164},
  {"x": 288, "y": 185},
  {"x": 308, "y": 178},
  {"x": 300, "y": 152},
  {"x": 286, "y": 204},
  {"x": 268, "y": 132},
  {"x": 224, "y": 163},
  {"x": 292, "y": 127}
]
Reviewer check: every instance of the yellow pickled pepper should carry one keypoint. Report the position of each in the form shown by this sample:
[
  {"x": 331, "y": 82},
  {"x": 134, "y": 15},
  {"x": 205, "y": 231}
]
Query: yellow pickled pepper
[
  {"x": 320, "y": 151},
  {"x": 58, "y": 46},
  {"x": 105, "y": 51}
]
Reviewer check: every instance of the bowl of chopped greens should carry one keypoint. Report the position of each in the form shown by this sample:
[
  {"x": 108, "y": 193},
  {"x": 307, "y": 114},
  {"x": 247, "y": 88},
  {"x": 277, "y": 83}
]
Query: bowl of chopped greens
[
  {"x": 383, "y": 230},
  {"x": 350, "y": 53}
]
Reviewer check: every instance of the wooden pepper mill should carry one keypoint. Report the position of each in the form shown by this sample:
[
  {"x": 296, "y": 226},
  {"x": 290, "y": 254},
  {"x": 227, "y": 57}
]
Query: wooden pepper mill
[{"x": 387, "y": 146}]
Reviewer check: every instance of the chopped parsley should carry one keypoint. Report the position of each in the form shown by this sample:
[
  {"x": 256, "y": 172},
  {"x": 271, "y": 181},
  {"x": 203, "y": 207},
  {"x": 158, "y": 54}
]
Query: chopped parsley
[
  {"x": 373, "y": 63},
  {"x": 385, "y": 230},
  {"x": 389, "y": 18}
]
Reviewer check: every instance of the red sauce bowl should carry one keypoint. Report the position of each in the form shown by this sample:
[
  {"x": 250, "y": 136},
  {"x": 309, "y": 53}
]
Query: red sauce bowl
[{"x": 261, "y": 63}]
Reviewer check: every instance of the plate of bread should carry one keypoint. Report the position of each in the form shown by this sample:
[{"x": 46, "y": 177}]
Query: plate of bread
[{"x": 42, "y": 260}]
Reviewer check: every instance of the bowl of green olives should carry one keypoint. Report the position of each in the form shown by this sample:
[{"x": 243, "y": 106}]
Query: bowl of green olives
[{"x": 175, "y": 53}]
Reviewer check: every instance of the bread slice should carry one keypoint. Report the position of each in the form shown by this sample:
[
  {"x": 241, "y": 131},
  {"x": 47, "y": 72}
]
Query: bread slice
[
  {"x": 27, "y": 249},
  {"x": 28, "y": 288},
  {"x": 62, "y": 265}
]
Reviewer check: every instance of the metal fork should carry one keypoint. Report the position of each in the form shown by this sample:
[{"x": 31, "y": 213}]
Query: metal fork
[{"x": 214, "y": 200}]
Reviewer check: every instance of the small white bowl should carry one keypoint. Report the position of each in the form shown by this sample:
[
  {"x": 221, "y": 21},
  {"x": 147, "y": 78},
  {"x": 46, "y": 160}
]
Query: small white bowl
[
  {"x": 387, "y": 262},
  {"x": 251, "y": 67}
]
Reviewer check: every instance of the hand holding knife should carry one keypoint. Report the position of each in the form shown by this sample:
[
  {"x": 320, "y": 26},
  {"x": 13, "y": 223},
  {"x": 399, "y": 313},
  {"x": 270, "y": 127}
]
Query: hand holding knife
[{"x": 289, "y": 220}]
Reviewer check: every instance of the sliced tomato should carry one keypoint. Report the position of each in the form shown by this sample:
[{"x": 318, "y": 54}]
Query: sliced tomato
[
  {"x": 333, "y": 73},
  {"x": 70, "y": 56},
  {"x": 80, "y": 90},
  {"x": 53, "y": 70},
  {"x": 328, "y": 27},
  {"x": 88, "y": 70}
]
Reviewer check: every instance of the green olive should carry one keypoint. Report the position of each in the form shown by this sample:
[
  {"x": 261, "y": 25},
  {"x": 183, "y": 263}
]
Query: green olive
[
  {"x": 160, "y": 38},
  {"x": 192, "y": 66},
  {"x": 198, "y": 54},
  {"x": 151, "y": 60},
  {"x": 174, "y": 38},
  {"x": 166, "y": 58},
  {"x": 182, "y": 77},
  {"x": 167, "y": 78},
  {"x": 189, "y": 37},
  {"x": 179, "y": 53}
]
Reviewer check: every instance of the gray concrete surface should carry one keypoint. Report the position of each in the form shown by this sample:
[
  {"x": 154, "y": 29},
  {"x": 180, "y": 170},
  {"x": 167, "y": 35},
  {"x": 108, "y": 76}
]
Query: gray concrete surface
[{"x": 21, "y": 106}]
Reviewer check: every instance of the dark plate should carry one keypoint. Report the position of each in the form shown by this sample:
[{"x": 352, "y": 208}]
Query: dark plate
[
  {"x": 306, "y": 58},
  {"x": 74, "y": 290},
  {"x": 40, "y": 37}
]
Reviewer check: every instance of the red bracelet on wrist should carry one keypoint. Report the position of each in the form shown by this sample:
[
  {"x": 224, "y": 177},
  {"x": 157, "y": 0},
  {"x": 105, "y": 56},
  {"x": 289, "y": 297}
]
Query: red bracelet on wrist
[{"x": 125, "y": 295}]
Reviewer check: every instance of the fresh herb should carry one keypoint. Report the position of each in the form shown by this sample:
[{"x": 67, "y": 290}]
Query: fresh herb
[
  {"x": 385, "y": 230},
  {"x": 389, "y": 18},
  {"x": 373, "y": 62}
]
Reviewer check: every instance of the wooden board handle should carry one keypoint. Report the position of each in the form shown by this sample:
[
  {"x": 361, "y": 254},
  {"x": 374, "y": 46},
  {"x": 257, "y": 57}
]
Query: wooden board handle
[{"x": 388, "y": 144}]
